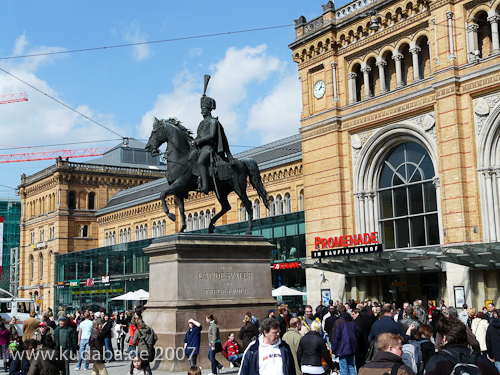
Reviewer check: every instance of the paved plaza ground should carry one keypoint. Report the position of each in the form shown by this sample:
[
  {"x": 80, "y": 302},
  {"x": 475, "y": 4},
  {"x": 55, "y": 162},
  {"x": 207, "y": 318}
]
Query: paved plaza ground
[{"x": 123, "y": 368}]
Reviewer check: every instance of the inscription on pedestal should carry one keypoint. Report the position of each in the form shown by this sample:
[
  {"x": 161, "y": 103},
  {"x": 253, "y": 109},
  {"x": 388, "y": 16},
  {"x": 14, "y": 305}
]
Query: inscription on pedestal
[{"x": 224, "y": 281}]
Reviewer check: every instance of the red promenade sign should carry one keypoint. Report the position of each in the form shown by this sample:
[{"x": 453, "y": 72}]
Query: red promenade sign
[
  {"x": 365, "y": 243},
  {"x": 286, "y": 266}
]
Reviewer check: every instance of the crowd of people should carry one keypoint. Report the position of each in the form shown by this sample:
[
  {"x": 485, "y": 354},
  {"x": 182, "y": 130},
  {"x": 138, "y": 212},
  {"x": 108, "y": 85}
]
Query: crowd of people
[
  {"x": 365, "y": 338},
  {"x": 49, "y": 345}
]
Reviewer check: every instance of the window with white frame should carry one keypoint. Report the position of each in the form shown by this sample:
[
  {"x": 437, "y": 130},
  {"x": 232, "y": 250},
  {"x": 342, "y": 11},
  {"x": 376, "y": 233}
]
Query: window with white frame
[
  {"x": 32, "y": 237},
  {"x": 189, "y": 222},
  {"x": 42, "y": 235},
  {"x": 164, "y": 228},
  {"x": 52, "y": 232}
]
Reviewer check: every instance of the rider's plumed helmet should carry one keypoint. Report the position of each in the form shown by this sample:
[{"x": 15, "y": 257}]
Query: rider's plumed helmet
[{"x": 207, "y": 102}]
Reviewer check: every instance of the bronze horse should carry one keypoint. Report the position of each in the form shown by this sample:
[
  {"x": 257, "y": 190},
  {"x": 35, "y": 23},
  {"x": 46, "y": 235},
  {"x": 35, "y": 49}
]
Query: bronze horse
[{"x": 182, "y": 173}]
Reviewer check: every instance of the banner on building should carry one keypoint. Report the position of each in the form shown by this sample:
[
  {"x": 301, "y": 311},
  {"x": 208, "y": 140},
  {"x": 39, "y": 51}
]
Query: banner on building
[
  {"x": 1, "y": 244},
  {"x": 105, "y": 279},
  {"x": 89, "y": 282}
]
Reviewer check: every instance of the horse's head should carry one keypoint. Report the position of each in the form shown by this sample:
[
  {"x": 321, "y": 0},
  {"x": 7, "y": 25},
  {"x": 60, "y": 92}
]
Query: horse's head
[{"x": 155, "y": 140}]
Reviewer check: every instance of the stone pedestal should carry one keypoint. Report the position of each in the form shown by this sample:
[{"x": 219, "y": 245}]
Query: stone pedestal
[{"x": 192, "y": 275}]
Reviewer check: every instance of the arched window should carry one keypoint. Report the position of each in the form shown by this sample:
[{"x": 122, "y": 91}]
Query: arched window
[
  {"x": 129, "y": 234},
  {"x": 256, "y": 209},
  {"x": 145, "y": 231},
  {"x": 40, "y": 268},
  {"x": 195, "y": 221},
  {"x": 91, "y": 202},
  {"x": 208, "y": 217},
  {"x": 137, "y": 233},
  {"x": 270, "y": 211},
  {"x": 407, "y": 197},
  {"x": 300, "y": 201},
  {"x": 278, "y": 205},
  {"x": 287, "y": 204},
  {"x": 32, "y": 267},
  {"x": 72, "y": 200},
  {"x": 190, "y": 222},
  {"x": 242, "y": 213},
  {"x": 202, "y": 220},
  {"x": 164, "y": 228},
  {"x": 113, "y": 238},
  {"x": 84, "y": 230}
]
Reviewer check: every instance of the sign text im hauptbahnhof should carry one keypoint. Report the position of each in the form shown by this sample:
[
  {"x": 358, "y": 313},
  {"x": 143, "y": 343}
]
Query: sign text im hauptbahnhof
[{"x": 366, "y": 243}]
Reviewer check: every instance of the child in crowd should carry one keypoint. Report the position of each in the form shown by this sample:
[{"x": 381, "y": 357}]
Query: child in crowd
[{"x": 194, "y": 370}]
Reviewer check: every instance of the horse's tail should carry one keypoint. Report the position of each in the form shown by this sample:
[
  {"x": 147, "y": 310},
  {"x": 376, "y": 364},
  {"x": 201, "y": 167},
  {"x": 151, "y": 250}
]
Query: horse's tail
[{"x": 256, "y": 181}]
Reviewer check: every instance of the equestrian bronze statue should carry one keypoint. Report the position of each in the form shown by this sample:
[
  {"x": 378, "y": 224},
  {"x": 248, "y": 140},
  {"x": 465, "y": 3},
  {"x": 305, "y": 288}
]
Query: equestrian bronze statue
[{"x": 204, "y": 164}]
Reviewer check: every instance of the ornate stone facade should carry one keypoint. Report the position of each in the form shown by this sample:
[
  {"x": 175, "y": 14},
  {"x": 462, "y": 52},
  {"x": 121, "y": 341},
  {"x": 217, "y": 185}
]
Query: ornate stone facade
[{"x": 414, "y": 80}]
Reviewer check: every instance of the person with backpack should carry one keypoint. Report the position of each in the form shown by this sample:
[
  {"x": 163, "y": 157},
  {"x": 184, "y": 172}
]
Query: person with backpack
[
  {"x": 388, "y": 359},
  {"x": 479, "y": 327},
  {"x": 455, "y": 357},
  {"x": 145, "y": 338},
  {"x": 416, "y": 353},
  {"x": 345, "y": 342}
]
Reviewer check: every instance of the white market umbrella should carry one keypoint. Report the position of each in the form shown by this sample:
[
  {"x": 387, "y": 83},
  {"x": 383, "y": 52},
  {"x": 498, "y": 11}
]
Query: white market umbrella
[
  {"x": 139, "y": 295},
  {"x": 286, "y": 291},
  {"x": 123, "y": 297}
]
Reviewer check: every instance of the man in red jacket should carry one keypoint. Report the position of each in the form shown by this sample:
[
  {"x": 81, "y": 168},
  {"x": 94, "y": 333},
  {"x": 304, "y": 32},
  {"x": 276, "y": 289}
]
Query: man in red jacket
[{"x": 231, "y": 351}]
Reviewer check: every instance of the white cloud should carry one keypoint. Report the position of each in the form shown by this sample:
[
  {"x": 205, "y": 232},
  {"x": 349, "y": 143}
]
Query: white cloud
[
  {"x": 277, "y": 115},
  {"x": 183, "y": 103},
  {"x": 41, "y": 120},
  {"x": 133, "y": 34},
  {"x": 232, "y": 79}
]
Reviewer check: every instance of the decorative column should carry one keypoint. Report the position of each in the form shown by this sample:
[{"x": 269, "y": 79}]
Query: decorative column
[
  {"x": 399, "y": 73},
  {"x": 473, "y": 42},
  {"x": 381, "y": 74},
  {"x": 416, "y": 68},
  {"x": 366, "y": 79},
  {"x": 496, "y": 198},
  {"x": 361, "y": 201},
  {"x": 352, "y": 87},
  {"x": 334, "y": 80},
  {"x": 489, "y": 174},
  {"x": 433, "y": 21},
  {"x": 494, "y": 34},
  {"x": 449, "y": 16},
  {"x": 437, "y": 186},
  {"x": 371, "y": 224}
]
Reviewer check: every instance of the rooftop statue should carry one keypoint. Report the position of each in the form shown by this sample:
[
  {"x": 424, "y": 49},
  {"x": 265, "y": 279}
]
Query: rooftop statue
[{"x": 204, "y": 164}]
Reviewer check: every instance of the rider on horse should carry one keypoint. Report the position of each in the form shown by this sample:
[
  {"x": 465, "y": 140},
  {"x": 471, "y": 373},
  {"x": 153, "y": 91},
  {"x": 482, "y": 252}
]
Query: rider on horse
[{"x": 212, "y": 142}]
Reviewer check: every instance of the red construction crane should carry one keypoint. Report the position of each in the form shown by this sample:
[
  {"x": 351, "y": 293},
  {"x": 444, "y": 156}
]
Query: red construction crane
[
  {"x": 49, "y": 155},
  {"x": 13, "y": 98}
]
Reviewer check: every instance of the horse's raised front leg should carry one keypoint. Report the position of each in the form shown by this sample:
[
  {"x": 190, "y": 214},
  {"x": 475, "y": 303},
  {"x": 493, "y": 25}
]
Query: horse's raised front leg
[
  {"x": 163, "y": 198},
  {"x": 225, "y": 207},
  {"x": 180, "y": 203}
]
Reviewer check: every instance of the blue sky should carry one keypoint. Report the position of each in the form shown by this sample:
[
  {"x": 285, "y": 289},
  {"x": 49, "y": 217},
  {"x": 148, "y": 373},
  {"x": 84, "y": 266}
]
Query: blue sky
[{"x": 254, "y": 80}]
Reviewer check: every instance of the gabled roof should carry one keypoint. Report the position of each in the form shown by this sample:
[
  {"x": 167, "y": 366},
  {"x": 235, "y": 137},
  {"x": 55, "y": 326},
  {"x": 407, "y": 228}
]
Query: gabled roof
[{"x": 271, "y": 155}]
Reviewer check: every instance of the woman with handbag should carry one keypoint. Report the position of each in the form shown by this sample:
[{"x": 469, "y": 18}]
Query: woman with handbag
[{"x": 214, "y": 342}]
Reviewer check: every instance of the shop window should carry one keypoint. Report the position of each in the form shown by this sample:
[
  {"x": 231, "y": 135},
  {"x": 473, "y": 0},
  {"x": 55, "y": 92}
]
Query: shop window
[
  {"x": 91, "y": 201},
  {"x": 407, "y": 197}
]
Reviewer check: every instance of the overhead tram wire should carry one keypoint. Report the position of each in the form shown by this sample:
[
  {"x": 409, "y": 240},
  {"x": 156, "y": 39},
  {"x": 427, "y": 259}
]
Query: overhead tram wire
[
  {"x": 7, "y": 147},
  {"x": 61, "y": 103},
  {"x": 455, "y": 27},
  {"x": 145, "y": 43}
]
